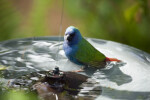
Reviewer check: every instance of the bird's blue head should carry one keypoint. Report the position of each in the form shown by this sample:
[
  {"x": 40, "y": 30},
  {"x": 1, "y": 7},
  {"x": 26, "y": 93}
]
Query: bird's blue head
[{"x": 72, "y": 36}]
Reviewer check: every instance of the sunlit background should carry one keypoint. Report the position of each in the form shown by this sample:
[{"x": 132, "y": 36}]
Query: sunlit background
[{"x": 124, "y": 21}]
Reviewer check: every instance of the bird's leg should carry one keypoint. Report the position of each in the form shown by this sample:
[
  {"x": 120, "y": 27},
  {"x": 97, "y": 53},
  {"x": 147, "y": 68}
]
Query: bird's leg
[{"x": 80, "y": 70}]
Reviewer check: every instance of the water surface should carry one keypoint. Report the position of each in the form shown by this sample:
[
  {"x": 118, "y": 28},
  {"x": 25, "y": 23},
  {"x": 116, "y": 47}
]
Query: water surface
[{"x": 128, "y": 80}]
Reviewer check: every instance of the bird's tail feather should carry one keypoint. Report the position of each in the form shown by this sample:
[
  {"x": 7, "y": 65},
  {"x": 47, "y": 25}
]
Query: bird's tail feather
[{"x": 112, "y": 59}]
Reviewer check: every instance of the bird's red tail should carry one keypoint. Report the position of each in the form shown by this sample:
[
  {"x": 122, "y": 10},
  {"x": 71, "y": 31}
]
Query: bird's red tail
[{"x": 112, "y": 59}]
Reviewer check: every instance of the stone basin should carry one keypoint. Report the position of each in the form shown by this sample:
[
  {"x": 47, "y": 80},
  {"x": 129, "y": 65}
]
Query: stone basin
[{"x": 129, "y": 79}]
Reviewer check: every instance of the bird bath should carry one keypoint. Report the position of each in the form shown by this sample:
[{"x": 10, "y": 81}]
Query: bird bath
[{"x": 129, "y": 79}]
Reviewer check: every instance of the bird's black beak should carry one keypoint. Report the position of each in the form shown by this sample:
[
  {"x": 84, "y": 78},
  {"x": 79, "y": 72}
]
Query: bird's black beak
[{"x": 70, "y": 37}]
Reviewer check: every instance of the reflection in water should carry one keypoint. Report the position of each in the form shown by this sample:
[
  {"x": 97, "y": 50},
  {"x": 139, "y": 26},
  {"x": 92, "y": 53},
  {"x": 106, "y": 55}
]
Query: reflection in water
[
  {"x": 129, "y": 80},
  {"x": 114, "y": 74},
  {"x": 123, "y": 95}
]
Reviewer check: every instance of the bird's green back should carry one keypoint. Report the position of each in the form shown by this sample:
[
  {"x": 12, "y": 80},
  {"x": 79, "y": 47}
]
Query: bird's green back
[{"x": 87, "y": 54}]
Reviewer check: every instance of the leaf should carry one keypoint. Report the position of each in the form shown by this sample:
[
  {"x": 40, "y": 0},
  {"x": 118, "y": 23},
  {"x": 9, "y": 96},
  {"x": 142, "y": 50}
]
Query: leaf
[{"x": 131, "y": 11}]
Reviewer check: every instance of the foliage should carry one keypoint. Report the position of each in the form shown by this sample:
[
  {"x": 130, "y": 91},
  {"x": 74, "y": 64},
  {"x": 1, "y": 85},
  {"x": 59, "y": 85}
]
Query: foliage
[
  {"x": 17, "y": 95},
  {"x": 8, "y": 20},
  {"x": 125, "y": 21}
]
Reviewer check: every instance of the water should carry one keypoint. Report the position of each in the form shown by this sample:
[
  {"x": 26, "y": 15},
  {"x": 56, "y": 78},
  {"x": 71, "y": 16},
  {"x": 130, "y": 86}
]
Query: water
[{"x": 129, "y": 79}]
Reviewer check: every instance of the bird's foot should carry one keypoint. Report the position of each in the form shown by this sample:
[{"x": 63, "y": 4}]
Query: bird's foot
[{"x": 80, "y": 70}]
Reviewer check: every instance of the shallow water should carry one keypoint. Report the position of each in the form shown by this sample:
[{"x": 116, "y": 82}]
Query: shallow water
[{"x": 127, "y": 80}]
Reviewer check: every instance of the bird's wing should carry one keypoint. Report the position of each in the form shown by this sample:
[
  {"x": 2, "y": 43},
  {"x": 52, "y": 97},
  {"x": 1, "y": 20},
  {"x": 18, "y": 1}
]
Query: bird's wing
[{"x": 87, "y": 54}]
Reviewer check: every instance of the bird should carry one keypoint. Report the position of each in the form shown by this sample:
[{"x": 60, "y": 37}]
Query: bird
[{"x": 79, "y": 51}]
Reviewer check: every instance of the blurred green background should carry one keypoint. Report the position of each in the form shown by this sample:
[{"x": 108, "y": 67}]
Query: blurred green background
[{"x": 124, "y": 21}]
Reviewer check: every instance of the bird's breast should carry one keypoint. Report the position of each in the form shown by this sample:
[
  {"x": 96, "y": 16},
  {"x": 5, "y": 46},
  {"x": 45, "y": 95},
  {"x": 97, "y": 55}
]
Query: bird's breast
[{"x": 69, "y": 50}]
